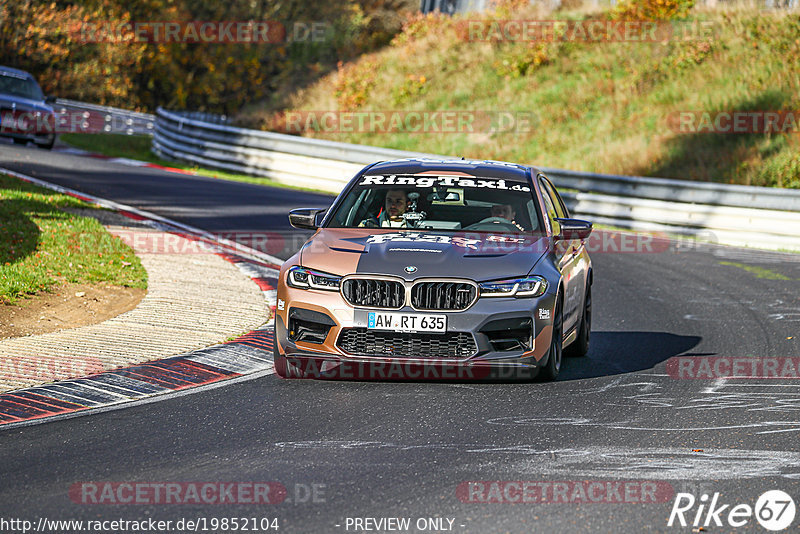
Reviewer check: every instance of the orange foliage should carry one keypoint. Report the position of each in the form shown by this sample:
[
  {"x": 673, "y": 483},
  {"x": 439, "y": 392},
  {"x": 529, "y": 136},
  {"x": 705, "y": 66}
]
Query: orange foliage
[
  {"x": 652, "y": 9},
  {"x": 49, "y": 40}
]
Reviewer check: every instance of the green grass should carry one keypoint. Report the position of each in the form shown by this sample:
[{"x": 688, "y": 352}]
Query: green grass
[
  {"x": 599, "y": 107},
  {"x": 759, "y": 272},
  {"x": 41, "y": 245},
  {"x": 118, "y": 146},
  {"x": 138, "y": 147}
]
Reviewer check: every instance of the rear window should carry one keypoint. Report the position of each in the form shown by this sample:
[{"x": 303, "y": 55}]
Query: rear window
[{"x": 438, "y": 202}]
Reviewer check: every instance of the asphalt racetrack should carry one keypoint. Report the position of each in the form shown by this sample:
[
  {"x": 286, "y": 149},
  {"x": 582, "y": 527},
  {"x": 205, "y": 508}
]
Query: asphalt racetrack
[{"x": 612, "y": 442}]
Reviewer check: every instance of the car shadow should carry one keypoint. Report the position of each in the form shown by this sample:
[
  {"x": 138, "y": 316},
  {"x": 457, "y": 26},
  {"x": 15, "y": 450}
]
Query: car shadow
[
  {"x": 613, "y": 353},
  {"x": 610, "y": 353}
]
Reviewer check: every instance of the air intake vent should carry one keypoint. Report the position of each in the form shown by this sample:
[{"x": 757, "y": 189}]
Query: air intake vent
[
  {"x": 453, "y": 296},
  {"x": 374, "y": 293},
  {"x": 364, "y": 342}
]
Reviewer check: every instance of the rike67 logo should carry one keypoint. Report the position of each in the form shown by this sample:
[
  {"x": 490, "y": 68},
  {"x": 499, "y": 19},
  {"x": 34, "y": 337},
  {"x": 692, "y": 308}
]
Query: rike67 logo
[{"x": 774, "y": 510}]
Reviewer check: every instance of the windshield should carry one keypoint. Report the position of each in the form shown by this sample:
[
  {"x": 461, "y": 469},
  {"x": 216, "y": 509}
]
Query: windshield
[
  {"x": 22, "y": 87},
  {"x": 438, "y": 202}
]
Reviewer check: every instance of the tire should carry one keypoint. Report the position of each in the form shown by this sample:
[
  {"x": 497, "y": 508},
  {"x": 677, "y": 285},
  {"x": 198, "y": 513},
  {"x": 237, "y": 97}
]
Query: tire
[
  {"x": 554, "y": 357},
  {"x": 48, "y": 145},
  {"x": 20, "y": 141},
  {"x": 580, "y": 347}
]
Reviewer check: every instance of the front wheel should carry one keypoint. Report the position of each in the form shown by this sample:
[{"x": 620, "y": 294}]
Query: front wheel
[
  {"x": 553, "y": 366},
  {"x": 49, "y": 142},
  {"x": 580, "y": 346}
]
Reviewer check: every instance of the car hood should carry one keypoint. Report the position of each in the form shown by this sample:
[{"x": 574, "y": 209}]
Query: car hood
[{"x": 476, "y": 256}]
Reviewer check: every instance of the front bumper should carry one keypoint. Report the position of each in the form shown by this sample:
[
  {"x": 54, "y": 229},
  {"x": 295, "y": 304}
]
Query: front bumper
[
  {"x": 324, "y": 367},
  {"x": 37, "y": 138},
  {"x": 28, "y": 125},
  {"x": 326, "y": 315}
]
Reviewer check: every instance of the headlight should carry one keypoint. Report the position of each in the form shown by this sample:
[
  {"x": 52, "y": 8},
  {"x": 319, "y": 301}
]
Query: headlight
[
  {"x": 530, "y": 286},
  {"x": 305, "y": 278}
]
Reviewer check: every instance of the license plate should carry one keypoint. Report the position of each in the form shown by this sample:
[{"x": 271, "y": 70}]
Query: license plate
[{"x": 406, "y": 322}]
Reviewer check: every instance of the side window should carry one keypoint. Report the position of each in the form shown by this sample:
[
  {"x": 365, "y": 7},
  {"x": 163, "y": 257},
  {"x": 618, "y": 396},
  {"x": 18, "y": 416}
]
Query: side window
[
  {"x": 533, "y": 214},
  {"x": 552, "y": 214},
  {"x": 561, "y": 209}
]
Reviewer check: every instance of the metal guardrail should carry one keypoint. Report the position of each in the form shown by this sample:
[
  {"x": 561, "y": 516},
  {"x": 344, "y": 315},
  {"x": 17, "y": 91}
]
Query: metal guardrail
[
  {"x": 760, "y": 217},
  {"x": 106, "y": 119}
]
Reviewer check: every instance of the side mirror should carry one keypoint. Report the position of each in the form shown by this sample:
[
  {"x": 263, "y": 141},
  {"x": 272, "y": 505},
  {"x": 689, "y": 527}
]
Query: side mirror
[
  {"x": 49, "y": 100},
  {"x": 574, "y": 229},
  {"x": 305, "y": 218}
]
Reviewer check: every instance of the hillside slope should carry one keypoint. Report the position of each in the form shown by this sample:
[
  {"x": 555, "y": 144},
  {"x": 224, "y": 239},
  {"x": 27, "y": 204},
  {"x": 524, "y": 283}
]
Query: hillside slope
[{"x": 603, "y": 106}]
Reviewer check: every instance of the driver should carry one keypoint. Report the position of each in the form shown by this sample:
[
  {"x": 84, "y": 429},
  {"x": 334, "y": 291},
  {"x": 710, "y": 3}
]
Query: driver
[
  {"x": 507, "y": 212},
  {"x": 391, "y": 215}
]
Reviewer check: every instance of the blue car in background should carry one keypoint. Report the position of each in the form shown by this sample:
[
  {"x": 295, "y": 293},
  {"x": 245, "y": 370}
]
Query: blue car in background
[{"x": 25, "y": 113}]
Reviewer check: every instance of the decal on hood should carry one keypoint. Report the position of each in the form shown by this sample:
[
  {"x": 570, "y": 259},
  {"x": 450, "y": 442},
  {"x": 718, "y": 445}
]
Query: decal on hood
[{"x": 413, "y": 237}]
